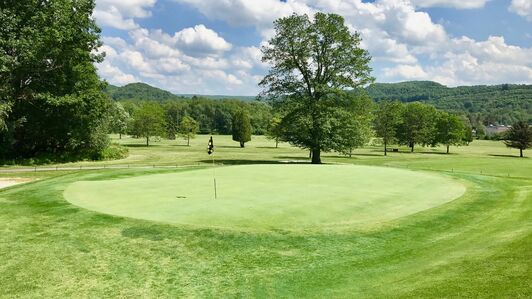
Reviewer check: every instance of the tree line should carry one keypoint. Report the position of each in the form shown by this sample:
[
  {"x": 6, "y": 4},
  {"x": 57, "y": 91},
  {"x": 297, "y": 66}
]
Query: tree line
[{"x": 502, "y": 104}]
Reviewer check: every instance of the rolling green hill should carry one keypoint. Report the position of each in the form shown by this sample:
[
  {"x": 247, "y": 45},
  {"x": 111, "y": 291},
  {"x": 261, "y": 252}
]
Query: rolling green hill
[
  {"x": 139, "y": 91},
  {"x": 489, "y": 104},
  {"x": 482, "y": 104},
  {"x": 143, "y": 91}
]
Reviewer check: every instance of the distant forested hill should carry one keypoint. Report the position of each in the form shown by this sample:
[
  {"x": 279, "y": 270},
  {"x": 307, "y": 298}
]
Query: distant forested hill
[
  {"x": 483, "y": 104},
  {"x": 487, "y": 104},
  {"x": 139, "y": 91},
  {"x": 143, "y": 91}
]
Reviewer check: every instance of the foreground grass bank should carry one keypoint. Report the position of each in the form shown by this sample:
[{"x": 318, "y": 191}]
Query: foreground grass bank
[{"x": 475, "y": 246}]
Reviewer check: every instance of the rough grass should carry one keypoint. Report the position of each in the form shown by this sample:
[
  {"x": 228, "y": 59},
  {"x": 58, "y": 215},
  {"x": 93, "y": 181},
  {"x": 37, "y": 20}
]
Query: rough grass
[{"x": 475, "y": 246}]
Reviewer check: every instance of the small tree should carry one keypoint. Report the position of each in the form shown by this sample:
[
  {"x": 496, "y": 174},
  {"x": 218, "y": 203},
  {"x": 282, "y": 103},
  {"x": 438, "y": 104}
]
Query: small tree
[
  {"x": 241, "y": 127},
  {"x": 450, "y": 130},
  {"x": 149, "y": 121},
  {"x": 119, "y": 120},
  {"x": 275, "y": 129},
  {"x": 387, "y": 119},
  {"x": 188, "y": 128},
  {"x": 353, "y": 122},
  {"x": 519, "y": 136},
  {"x": 417, "y": 125}
]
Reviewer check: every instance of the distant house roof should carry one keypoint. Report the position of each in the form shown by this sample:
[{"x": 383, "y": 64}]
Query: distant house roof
[{"x": 496, "y": 129}]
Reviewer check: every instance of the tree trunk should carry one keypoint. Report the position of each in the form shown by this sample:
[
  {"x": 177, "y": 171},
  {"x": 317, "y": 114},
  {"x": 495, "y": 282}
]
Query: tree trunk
[
  {"x": 119, "y": 135},
  {"x": 276, "y": 142},
  {"x": 316, "y": 156},
  {"x": 241, "y": 144},
  {"x": 521, "y": 152},
  {"x": 447, "y": 148},
  {"x": 350, "y": 152},
  {"x": 188, "y": 140},
  {"x": 147, "y": 140},
  {"x": 385, "y": 149},
  {"x": 412, "y": 147}
]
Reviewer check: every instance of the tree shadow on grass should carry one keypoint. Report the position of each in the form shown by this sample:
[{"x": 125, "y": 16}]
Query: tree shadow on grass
[
  {"x": 140, "y": 145},
  {"x": 293, "y": 158},
  {"x": 227, "y": 146},
  {"x": 436, "y": 153},
  {"x": 354, "y": 155},
  {"x": 507, "y": 156},
  {"x": 250, "y": 162}
]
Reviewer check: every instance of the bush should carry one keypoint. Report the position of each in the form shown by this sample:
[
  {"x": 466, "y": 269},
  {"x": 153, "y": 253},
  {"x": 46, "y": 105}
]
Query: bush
[{"x": 113, "y": 152}]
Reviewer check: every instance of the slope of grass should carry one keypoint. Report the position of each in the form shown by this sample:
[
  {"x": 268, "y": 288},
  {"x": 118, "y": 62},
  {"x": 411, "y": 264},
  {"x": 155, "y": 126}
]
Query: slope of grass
[{"x": 475, "y": 246}]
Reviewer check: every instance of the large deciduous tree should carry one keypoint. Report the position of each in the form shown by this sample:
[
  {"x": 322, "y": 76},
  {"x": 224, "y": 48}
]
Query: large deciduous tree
[
  {"x": 313, "y": 64},
  {"x": 51, "y": 99},
  {"x": 241, "y": 127},
  {"x": 387, "y": 120},
  {"x": 519, "y": 136}
]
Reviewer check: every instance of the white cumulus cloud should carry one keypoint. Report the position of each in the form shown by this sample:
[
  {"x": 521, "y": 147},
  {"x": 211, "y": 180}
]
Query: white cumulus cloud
[
  {"x": 200, "y": 40},
  {"x": 522, "y": 8},
  {"x": 405, "y": 43},
  {"x": 460, "y": 4},
  {"x": 120, "y": 14}
]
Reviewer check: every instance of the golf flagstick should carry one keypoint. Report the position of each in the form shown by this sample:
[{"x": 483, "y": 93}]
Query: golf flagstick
[
  {"x": 214, "y": 175},
  {"x": 210, "y": 151}
]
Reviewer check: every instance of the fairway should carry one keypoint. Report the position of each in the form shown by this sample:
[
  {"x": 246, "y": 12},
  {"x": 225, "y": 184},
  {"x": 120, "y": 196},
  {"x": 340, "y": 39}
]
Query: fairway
[{"x": 285, "y": 197}]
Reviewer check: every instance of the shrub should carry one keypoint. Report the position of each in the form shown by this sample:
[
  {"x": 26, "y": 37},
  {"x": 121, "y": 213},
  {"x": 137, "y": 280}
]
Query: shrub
[{"x": 113, "y": 152}]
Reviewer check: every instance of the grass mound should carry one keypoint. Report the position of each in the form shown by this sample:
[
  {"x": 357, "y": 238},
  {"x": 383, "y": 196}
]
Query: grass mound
[{"x": 284, "y": 197}]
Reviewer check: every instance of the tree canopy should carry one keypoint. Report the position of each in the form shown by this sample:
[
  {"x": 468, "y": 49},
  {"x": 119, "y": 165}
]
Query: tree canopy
[
  {"x": 313, "y": 64},
  {"x": 241, "y": 127},
  {"x": 519, "y": 136},
  {"x": 188, "y": 127},
  {"x": 51, "y": 99},
  {"x": 450, "y": 130},
  {"x": 387, "y": 120},
  {"x": 148, "y": 121},
  {"x": 417, "y": 125}
]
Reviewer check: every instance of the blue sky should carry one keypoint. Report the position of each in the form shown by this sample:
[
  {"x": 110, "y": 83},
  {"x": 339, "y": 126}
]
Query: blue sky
[{"x": 213, "y": 46}]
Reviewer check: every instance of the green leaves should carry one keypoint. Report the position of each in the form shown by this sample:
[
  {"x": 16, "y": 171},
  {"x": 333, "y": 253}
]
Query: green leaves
[
  {"x": 148, "y": 121},
  {"x": 519, "y": 136},
  {"x": 47, "y": 77},
  {"x": 313, "y": 64},
  {"x": 241, "y": 127}
]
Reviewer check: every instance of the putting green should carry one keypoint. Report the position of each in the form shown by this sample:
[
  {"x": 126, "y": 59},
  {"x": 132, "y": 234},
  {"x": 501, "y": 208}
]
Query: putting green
[{"x": 270, "y": 196}]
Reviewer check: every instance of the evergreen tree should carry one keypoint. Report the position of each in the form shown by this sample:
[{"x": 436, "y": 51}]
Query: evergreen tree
[
  {"x": 519, "y": 136},
  {"x": 241, "y": 127}
]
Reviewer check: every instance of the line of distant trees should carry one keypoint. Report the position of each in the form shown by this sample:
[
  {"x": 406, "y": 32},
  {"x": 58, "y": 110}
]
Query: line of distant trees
[{"x": 391, "y": 121}]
